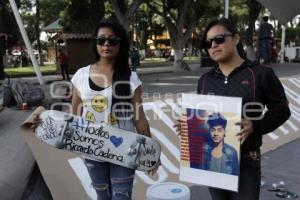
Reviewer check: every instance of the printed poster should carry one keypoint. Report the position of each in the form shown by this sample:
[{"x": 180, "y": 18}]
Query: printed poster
[{"x": 210, "y": 150}]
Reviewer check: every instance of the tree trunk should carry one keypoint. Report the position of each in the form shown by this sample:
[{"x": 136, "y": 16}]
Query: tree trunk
[
  {"x": 254, "y": 10},
  {"x": 178, "y": 42},
  {"x": 178, "y": 60},
  {"x": 125, "y": 18},
  {"x": 2, "y": 74},
  {"x": 2, "y": 41},
  {"x": 143, "y": 44}
]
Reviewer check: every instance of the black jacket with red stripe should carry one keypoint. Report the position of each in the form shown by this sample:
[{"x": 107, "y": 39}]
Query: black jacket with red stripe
[{"x": 259, "y": 88}]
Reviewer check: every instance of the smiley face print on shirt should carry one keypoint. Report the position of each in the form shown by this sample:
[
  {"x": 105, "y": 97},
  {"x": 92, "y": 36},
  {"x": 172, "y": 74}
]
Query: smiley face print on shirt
[
  {"x": 99, "y": 103},
  {"x": 90, "y": 116},
  {"x": 112, "y": 119}
]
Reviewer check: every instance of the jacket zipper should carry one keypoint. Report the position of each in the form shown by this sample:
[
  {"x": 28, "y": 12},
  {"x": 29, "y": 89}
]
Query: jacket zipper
[{"x": 226, "y": 80}]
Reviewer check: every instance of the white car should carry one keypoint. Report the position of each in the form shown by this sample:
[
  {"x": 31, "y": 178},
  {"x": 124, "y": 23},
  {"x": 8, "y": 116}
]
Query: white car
[{"x": 16, "y": 52}]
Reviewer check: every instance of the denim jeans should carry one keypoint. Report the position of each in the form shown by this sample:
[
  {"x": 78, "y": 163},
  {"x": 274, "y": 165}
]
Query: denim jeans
[
  {"x": 111, "y": 182},
  {"x": 264, "y": 50},
  {"x": 249, "y": 182}
]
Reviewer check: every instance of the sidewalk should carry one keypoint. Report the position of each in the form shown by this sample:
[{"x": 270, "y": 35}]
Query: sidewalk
[{"x": 17, "y": 161}]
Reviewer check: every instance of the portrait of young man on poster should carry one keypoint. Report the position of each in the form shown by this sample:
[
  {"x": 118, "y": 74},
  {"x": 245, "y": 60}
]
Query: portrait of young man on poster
[{"x": 220, "y": 156}]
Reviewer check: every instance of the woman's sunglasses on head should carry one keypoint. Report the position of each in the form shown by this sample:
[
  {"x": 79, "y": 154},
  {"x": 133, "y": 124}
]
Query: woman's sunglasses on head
[
  {"x": 113, "y": 41},
  {"x": 218, "y": 39}
]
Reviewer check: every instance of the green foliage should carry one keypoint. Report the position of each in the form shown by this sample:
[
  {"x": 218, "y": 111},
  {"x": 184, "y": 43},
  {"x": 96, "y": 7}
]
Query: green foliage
[
  {"x": 181, "y": 17},
  {"x": 82, "y": 16},
  {"x": 8, "y": 24},
  {"x": 26, "y": 71},
  {"x": 109, "y": 13},
  {"x": 147, "y": 23},
  {"x": 29, "y": 20},
  {"x": 123, "y": 6},
  {"x": 292, "y": 34},
  {"x": 50, "y": 10}
]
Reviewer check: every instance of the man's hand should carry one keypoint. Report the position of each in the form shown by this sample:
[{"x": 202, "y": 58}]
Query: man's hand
[
  {"x": 246, "y": 129},
  {"x": 153, "y": 171},
  {"x": 181, "y": 125}
]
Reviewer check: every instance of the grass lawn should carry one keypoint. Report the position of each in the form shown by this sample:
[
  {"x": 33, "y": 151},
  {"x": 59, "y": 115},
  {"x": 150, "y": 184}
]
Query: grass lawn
[
  {"x": 156, "y": 60},
  {"x": 192, "y": 58},
  {"x": 153, "y": 60},
  {"x": 26, "y": 71},
  {"x": 51, "y": 69}
]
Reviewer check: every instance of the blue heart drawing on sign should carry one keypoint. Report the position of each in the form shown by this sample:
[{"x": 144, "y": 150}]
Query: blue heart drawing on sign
[{"x": 116, "y": 141}]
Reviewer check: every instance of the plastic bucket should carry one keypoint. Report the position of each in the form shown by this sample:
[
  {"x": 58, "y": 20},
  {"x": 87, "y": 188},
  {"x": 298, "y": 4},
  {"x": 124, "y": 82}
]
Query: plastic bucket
[{"x": 168, "y": 191}]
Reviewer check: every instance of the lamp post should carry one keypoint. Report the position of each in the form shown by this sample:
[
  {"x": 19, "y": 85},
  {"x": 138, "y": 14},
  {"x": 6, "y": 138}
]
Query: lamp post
[
  {"x": 282, "y": 44},
  {"x": 226, "y": 8}
]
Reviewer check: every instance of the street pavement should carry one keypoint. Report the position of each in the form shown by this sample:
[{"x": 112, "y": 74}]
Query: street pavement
[{"x": 281, "y": 164}]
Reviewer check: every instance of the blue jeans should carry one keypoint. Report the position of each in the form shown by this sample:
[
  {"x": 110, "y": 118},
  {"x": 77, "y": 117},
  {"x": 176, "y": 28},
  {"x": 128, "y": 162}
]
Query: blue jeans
[
  {"x": 249, "y": 182},
  {"x": 111, "y": 181}
]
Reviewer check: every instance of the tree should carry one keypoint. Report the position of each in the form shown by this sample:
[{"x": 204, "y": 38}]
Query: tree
[
  {"x": 9, "y": 27},
  {"x": 144, "y": 25},
  {"x": 245, "y": 13},
  {"x": 32, "y": 21},
  {"x": 40, "y": 13},
  {"x": 82, "y": 16},
  {"x": 181, "y": 17},
  {"x": 124, "y": 11},
  {"x": 51, "y": 10},
  {"x": 254, "y": 10}
]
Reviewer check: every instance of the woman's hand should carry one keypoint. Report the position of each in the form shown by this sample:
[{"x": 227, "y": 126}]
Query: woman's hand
[
  {"x": 154, "y": 170},
  {"x": 181, "y": 125},
  {"x": 246, "y": 129},
  {"x": 35, "y": 122}
]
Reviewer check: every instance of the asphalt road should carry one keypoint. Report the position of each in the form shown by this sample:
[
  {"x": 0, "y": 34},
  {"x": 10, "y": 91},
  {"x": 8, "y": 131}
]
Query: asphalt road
[{"x": 282, "y": 164}]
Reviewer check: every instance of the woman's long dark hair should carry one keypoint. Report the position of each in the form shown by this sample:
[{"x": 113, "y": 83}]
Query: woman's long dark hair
[
  {"x": 121, "y": 70},
  {"x": 231, "y": 27}
]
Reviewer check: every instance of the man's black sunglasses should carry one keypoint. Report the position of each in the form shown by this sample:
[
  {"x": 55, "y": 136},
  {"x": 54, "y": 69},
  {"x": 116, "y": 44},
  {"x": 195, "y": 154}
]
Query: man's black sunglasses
[
  {"x": 111, "y": 40},
  {"x": 218, "y": 39}
]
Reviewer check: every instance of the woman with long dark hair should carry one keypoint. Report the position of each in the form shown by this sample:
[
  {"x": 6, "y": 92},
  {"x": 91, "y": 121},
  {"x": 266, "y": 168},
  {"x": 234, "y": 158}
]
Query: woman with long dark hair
[
  {"x": 108, "y": 91},
  {"x": 258, "y": 86}
]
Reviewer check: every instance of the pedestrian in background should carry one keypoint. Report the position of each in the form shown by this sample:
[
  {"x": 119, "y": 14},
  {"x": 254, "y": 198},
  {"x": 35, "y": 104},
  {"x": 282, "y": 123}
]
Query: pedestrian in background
[
  {"x": 63, "y": 63},
  {"x": 258, "y": 86},
  {"x": 134, "y": 59},
  {"x": 265, "y": 41}
]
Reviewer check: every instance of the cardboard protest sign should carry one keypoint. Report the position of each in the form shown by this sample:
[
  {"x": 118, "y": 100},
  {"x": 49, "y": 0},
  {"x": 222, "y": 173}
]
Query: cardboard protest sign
[
  {"x": 53, "y": 163},
  {"x": 209, "y": 146},
  {"x": 67, "y": 176}
]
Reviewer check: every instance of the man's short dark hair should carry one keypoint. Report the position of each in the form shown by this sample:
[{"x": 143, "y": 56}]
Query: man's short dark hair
[
  {"x": 216, "y": 119},
  {"x": 265, "y": 18}
]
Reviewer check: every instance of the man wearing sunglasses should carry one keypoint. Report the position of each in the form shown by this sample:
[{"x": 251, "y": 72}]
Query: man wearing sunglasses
[
  {"x": 259, "y": 88},
  {"x": 218, "y": 39}
]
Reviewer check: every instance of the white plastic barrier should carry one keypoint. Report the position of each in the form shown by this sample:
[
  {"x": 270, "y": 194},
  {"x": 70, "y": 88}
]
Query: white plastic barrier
[{"x": 168, "y": 191}]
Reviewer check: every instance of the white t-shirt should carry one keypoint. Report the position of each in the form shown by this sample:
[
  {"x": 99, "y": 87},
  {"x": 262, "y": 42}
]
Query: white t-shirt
[{"x": 97, "y": 104}]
